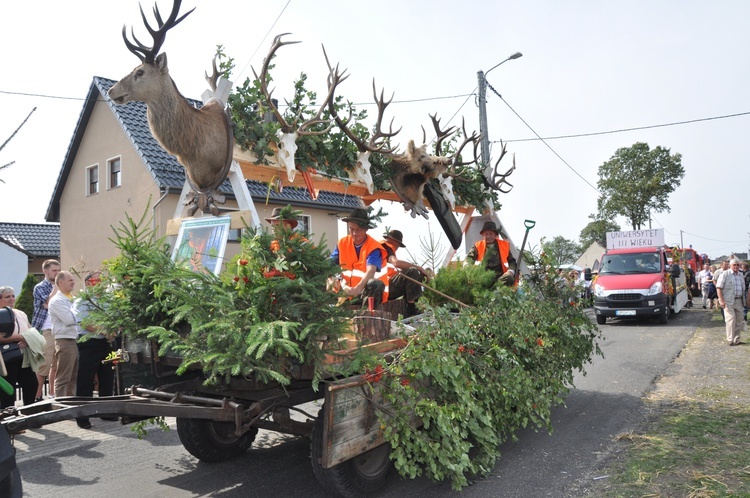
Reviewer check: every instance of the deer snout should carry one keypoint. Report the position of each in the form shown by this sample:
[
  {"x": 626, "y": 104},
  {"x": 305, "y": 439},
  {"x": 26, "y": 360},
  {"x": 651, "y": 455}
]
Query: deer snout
[{"x": 117, "y": 95}]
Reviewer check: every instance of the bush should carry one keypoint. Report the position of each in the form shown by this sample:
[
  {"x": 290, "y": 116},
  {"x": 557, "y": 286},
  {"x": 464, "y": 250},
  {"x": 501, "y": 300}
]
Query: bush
[
  {"x": 463, "y": 283},
  {"x": 25, "y": 301}
]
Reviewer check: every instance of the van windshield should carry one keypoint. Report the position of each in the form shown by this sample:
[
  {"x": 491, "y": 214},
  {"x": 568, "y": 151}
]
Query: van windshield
[{"x": 630, "y": 263}]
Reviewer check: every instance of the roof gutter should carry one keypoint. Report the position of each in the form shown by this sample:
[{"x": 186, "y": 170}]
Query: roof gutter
[{"x": 167, "y": 191}]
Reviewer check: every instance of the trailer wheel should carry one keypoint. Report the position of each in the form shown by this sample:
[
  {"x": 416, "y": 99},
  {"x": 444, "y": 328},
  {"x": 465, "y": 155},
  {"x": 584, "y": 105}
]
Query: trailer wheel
[
  {"x": 601, "y": 319},
  {"x": 364, "y": 475},
  {"x": 211, "y": 441}
]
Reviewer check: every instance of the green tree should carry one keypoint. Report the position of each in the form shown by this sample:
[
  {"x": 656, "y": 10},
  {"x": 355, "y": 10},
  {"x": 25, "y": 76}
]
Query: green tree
[
  {"x": 25, "y": 301},
  {"x": 596, "y": 231},
  {"x": 560, "y": 250},
  {"x": 638, "y": 180}
]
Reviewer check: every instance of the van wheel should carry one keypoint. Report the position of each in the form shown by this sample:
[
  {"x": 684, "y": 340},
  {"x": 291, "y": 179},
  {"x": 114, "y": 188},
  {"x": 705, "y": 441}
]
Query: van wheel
[
  {"x": 363, "y": 475},
  {"x": 211, "y": 441},
  {"x": 601, "y": 319}
]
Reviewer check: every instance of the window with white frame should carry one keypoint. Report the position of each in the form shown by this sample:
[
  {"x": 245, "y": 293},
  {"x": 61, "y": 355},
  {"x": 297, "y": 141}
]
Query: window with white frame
[
  {"x": 304, "y": 224},
  {"x": 92, "y": 180},
  {"x": 115, "y": 173}
]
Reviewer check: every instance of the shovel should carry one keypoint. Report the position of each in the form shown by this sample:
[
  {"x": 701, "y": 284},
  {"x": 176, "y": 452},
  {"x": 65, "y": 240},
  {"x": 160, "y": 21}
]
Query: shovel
[{"x": 529, "y": 224}]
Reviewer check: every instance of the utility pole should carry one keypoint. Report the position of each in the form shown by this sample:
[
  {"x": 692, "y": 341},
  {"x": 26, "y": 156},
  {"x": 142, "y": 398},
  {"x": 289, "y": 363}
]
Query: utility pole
[
  {"x": 482, "y": 84},
  {"x": 682, "y": 244}
]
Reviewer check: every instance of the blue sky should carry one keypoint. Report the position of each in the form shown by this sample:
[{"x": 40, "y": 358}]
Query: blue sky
[{"x": 588, "y": 67}]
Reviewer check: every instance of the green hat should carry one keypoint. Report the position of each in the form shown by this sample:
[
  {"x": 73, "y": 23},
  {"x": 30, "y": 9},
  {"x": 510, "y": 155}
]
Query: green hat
[
  {"x": 397, "y": 236},
  {"x": 360, "y": 217}
]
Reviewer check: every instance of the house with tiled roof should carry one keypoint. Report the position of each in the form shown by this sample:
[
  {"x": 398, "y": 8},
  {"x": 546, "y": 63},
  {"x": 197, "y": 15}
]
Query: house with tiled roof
[
  {"x": 23, "y": 249},
  {"x": 114, "y": 168}
]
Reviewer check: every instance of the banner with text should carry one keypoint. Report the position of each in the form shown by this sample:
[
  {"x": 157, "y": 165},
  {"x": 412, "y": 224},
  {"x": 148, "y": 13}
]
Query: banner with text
[{"x": 635, "y": 238}]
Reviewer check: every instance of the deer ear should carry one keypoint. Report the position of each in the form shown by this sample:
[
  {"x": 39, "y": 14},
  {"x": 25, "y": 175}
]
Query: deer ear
[
  {"x": 411, "y": 148},
  {"x": 161, "y": 63}
]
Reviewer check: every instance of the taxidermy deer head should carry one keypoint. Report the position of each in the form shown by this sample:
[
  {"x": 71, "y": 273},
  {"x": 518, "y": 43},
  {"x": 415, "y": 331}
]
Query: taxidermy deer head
[{"x": 200, "y": 139}]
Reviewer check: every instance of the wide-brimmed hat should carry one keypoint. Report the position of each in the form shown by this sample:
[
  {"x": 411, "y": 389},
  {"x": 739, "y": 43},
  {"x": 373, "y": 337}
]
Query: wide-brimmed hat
[
  {"x": 489, "y": 226},
  {"x": 279, "y": 214},
  {"x": 360, "y": 217},
  {"x": 395, "y": 235}
]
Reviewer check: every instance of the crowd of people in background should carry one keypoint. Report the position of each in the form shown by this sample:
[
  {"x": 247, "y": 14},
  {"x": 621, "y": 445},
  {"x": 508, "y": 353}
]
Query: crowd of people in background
[{"x": 56, "y": 349}]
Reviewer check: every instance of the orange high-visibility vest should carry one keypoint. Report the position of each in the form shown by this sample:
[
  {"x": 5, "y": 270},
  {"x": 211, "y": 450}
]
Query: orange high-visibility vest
[
  {"x": 354, "y": 268},
  {"x": 391, "y": 269},
  {"x": 502, "y": 245}
]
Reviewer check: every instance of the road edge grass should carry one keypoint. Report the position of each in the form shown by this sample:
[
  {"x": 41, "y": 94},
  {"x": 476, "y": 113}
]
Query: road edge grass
[{"x": 694, "y": 446}]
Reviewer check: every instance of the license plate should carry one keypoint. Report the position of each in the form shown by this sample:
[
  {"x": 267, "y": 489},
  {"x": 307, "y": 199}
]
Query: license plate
[{"x": 625, "y": 313}]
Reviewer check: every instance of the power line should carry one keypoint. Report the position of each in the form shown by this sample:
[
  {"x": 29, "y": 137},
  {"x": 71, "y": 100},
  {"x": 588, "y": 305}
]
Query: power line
[
  {"x": 623, "y": 130},
  {"x": 543, "y": 140},
  {"x": 263, "y": 40}
]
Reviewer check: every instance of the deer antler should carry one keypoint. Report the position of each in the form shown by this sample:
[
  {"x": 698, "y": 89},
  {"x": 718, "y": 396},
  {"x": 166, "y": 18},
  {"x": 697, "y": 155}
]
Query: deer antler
[
  {"x": 214, "y": 78},
  {"x": 143, "y": 52},
  {"x": 376, "y": 141},
  {"x": 458, "y": 167},
  {"x": 263, "y": 80},
  {"x": 498, "y": 180},
  {"x": 441, "y": 134}
]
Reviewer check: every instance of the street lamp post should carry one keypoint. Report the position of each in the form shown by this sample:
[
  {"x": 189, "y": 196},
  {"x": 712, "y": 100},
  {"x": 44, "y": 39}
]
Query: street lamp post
[{"x": 483, "y": 114}]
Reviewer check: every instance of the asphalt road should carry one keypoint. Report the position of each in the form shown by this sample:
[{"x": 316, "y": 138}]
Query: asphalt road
[{"x": 605, "y": 402}]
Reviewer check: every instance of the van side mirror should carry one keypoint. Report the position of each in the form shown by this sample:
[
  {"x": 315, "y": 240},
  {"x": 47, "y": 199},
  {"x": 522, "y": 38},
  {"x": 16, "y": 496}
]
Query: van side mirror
[{"x": 587, "y": 274}]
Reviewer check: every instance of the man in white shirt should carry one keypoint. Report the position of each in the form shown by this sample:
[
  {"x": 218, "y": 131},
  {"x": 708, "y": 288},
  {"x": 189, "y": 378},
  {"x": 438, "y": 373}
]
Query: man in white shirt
[{"x": 65, "y": 332}]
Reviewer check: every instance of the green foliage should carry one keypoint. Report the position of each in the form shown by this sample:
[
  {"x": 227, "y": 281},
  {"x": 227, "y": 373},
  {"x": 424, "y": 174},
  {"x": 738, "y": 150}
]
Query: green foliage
[
  {"x": 25, "y": 298},
  {"x": 596, "y": 231},
  {"x": 637, "y": 181},
  {"x": 480, "y": 376},
  {"x": 466, "y": 284},
  {"x": 560, "y": 250},
  {"x": 266, "y": 315}
]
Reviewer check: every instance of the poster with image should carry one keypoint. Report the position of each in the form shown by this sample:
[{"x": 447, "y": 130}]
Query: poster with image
[{"x": 201, "y": 243}]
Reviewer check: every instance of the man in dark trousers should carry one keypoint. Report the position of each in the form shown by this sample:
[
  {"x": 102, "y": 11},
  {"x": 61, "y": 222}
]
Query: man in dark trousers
[
  {"x": 494, "y": 253},
  {"x": 91, "y": 352},
  {"x": 398, "y": 286}
]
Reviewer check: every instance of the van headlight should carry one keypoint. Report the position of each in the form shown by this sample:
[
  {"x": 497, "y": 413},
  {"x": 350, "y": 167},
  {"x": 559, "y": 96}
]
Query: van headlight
[
  {"x": 598, "y": 290},
  {"x": 655, "y": 289}
]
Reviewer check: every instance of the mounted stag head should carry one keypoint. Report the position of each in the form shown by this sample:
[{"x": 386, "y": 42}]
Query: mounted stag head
[
  {"x": 289, "y": 132},
  {"x": 200, "y": 139},
  {"x": 415, "y": 167},
  {"x": 378, "y": 140}
]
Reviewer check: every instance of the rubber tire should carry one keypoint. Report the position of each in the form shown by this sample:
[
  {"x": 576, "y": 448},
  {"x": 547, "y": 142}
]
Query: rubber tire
[
  {"x": 364, "y": 475},
  {"x": 601, "y": 319},
  {"x": 211, "y": 441}
]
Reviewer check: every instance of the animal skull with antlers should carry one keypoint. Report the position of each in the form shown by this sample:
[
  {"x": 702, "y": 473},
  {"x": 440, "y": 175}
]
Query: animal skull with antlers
[
  {"x": 378, "y": 140},
  {"x": 289, "y": 132},
  {"x": 200, "y": 139}
]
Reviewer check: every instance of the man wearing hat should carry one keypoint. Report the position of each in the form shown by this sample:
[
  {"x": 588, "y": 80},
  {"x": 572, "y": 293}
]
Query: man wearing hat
[
  {"x": 362, "y": 260},
  {"x": 284, "y": 216},
  {"x": 494, "y": 253},
  {"x": 396, "y": 269}
]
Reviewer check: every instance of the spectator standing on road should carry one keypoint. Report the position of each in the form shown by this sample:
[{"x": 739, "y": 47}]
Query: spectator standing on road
[
  {"x": 17, "y": 374},
  {"x": 731, "y": 289},
  {"x": 41, "y": 321},
  {"x": 746, "y": 274},
  {"x": 91, "y": 353},
  {"x": 724, "y": 267},
  {"x": 65, "y": 332},
  {"x": 704, "y": 277}
]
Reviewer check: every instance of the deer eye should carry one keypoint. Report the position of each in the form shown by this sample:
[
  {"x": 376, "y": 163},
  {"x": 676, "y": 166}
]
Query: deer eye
[{"x": 139, "y": 73}]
